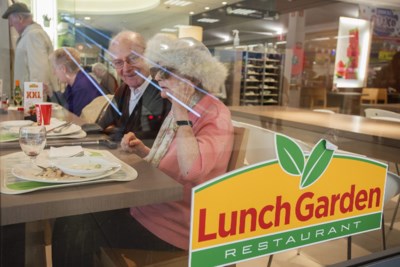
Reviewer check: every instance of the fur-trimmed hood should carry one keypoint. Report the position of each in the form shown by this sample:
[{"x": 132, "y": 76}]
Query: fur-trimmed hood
[{"x": 189, "y": 57}]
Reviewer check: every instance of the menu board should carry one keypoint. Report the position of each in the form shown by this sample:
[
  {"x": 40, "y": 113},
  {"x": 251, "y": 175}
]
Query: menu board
[{"x": 352, "y": 52}]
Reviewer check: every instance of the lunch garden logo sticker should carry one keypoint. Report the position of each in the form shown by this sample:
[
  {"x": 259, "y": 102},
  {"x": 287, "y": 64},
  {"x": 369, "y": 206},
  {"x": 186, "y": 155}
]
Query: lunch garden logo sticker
[
  {"x": 294, "y": 200},
  {"x": 292, "y": 160}
]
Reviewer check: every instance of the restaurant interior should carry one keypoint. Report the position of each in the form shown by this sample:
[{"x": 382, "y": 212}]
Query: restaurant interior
[{"x": 295, "y": 67}]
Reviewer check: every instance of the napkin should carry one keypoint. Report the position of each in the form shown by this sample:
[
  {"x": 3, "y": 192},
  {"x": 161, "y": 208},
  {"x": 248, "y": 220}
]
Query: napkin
[{"x": 65, "y": 151}]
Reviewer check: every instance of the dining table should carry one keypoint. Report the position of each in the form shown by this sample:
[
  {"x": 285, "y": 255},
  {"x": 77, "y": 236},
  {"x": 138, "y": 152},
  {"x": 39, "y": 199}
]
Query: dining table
[
  {"x": 150, "y": 186},
  {"x": 377, "y": 139}
]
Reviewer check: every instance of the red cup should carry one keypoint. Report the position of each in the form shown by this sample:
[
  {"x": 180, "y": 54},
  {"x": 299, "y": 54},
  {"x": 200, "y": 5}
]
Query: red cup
[{"x": 43, "y": 113}]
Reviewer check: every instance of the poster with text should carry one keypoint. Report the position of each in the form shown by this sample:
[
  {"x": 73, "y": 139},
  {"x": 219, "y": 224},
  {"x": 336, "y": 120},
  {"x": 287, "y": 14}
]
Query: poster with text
[
  {"x": 352, "y": 52},
  {"x": 33, "y": 93}
]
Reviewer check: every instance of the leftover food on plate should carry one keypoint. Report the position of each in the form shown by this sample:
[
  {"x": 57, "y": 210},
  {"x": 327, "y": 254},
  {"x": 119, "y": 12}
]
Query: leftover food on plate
[{"x": 52, "y": 172}]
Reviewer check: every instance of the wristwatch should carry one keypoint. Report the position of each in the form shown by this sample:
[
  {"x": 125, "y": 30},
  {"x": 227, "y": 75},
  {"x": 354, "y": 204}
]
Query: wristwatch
[{"x": 184, "y": 123}]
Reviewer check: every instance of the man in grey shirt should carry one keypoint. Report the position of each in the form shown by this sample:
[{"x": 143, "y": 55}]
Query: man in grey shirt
[{"x": 33, "y": 48}]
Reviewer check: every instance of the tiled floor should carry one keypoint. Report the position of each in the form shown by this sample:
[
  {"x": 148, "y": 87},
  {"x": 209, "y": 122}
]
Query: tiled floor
[{"x": 336, "y": 251}]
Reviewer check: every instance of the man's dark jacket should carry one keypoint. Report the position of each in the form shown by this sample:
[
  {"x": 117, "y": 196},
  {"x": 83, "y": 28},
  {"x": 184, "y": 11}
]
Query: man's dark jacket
[{"x": 145, "y": 120}]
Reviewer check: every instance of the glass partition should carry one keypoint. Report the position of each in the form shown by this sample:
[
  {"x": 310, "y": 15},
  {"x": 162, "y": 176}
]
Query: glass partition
[{"x": 282, "y": 67}]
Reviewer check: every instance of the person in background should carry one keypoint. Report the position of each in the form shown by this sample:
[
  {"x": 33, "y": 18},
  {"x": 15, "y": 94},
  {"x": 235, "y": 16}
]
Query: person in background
[
  {"x": 107, "y": 81},
  {"x": 33, "y": 48},
  {"x": 191, "y": 149},
  {"x": 143, "y": 110},
  {"x": 80, "y": 91},
  {"x": 389, "y": 75}
]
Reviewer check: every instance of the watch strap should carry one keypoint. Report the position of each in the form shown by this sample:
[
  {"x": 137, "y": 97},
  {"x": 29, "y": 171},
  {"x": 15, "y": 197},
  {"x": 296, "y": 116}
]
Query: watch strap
[{"x": 184, "y": 123}]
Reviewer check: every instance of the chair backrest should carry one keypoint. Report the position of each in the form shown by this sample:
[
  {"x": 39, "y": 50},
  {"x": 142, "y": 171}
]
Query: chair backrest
[
  {"x": 93, "y": 110},
  {"x": 261, "y": 143},
  {"x": 382, "y": 95},
  {"x": 318, "y": 98},
  {"x": 375, "y": 112},
  {"x": 392, "y": 187},
  {"x": 370, "y": 95},
  {"x": 241, "y": 136}
]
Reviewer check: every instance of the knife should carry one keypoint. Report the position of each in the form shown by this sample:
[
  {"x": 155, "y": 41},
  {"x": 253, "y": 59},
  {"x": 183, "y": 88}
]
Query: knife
[{"x": 59, "y": 126}]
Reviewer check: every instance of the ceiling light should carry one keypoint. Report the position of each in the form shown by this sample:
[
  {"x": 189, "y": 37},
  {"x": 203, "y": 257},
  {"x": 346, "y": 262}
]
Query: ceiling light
[
  {"x": 168, "y": 30},
  {"x": 106, "y": 6},
  {"x": 191, "y": 13},
  {"x": 321, "y": 39},
  {"x": 224, "y": 3},
  {"x": 207, "y": 20},
  {"x": 177, "y": 3},
  {"x": 242, "y": 11},
  {"x": 87, "y": 18},
  {"x": 207, "y": 8}
]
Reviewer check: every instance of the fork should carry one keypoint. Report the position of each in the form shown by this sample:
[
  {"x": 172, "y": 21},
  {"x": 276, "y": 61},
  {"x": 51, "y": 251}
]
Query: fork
[{"x": 59, "y": 130}]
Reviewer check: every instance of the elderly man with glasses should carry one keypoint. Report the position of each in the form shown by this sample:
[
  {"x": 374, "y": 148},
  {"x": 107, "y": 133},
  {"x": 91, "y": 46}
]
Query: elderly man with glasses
[{"x": 138, "y": 107}]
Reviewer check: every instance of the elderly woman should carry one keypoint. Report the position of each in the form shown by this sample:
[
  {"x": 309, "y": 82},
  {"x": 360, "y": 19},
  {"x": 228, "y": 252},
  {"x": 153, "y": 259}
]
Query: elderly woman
[
  {"x": 193, "y": 145},
  {"x": 80, "y": 91},
  {"x": 191, "y": 149}
]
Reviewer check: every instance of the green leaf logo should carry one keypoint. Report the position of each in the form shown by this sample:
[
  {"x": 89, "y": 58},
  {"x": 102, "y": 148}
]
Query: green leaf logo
[
  {"x": 290, "y": 155},
  {"x": 292, "y": 160}
]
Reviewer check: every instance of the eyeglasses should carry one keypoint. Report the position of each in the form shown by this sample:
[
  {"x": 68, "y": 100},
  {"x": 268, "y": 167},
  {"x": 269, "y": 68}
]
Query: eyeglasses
[
  {"x": 163, "y": 72},
  {"x": 130, "y": 60}
]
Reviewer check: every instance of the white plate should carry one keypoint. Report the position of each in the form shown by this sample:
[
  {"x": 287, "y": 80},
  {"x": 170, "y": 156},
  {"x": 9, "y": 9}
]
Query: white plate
[
  {"x": 85, "y": 166},
  {"x": 7, "y": 136},
  {"x": 73, "y": 128},
  {"x": 17, "y": 123},
  {"x": 77, "y": 135},
  {"x": 29, "y": 173}
]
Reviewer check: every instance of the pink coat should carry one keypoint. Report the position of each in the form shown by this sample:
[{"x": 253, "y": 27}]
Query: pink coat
[{"x": 170, "y": 221}]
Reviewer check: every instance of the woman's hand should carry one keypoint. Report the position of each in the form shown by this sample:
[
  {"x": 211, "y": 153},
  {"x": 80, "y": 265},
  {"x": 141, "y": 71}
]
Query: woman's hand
[
  {"x": 132, "y": 144},
  {"x": 184, "y": 92},
  {"x": 47, "y": 90}
]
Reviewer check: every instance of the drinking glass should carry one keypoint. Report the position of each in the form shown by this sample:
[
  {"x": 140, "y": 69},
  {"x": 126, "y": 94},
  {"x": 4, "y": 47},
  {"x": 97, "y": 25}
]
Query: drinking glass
[{"x": 32, "y": 140}]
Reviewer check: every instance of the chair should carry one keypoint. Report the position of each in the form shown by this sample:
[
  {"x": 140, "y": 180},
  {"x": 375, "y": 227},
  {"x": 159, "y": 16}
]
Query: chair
[
  {"x": 135, "y": 257},
  {"x": 369, "y": 95},
  {"x": 261, "y": 147},
  {"x": 318, "y": 100},
  {"x": 374, "y": 112},
  {"x": 241, "y": 136},
  {"x": 382, "y": 114},
  {"x": 261, "y": 143},
  {"x": 92, "y": 112},
  {"x": 398, "y": 202},
  {"x": 382, "y": 95}
]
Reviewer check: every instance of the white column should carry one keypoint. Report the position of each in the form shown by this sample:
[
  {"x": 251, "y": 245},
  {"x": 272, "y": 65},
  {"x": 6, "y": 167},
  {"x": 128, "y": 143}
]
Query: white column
[
  {"x": 43, "y": 10},
  {"x": 5, "y": 52},
  {"x": 294, "y": 41}
]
